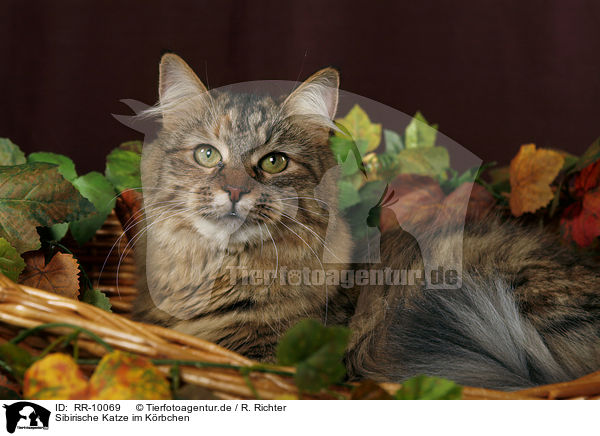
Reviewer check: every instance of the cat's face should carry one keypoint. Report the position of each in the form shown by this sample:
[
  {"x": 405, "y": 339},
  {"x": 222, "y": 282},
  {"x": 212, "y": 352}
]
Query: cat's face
[{"x": 237, "y": 167}]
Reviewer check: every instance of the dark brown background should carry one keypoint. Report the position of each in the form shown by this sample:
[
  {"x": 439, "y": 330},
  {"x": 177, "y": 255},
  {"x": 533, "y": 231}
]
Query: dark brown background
[{"x": 493, "y": 74}]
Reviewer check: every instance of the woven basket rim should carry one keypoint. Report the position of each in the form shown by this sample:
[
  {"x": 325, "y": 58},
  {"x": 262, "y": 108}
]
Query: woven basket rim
[{"x": 25, "y": 307}]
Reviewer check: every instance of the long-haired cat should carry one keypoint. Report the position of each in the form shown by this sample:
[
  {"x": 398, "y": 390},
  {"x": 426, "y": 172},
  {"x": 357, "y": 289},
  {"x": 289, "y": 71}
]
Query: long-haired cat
[{"x": 240, "y": 182}]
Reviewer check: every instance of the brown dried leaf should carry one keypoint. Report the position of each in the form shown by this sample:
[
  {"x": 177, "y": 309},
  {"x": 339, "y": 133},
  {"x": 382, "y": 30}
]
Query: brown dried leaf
[
  {"x": 415, "y": 200},
  {"x": 531, "y": 172},
  {"x": 370, "y": 390},
  {"x": 412, "y": 200},
  {"x": 128, "y": 209},
  {"x": 60, "y": 275},
  {"x": 469, "y": 202}
]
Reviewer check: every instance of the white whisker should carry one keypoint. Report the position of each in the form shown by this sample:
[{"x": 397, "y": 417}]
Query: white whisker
[
  {"x": 306, "y": 198},
  {"x": 117, "y": 241},
  {"x": 321, "y": 240},
  {"x": 318, "y": 260},
  {"x": 276, "y": 255}
]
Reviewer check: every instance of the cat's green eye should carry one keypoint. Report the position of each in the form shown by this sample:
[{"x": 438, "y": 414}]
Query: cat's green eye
[
  {"x": 207, "y": 155},
  {"x": 274, "y": 163}
]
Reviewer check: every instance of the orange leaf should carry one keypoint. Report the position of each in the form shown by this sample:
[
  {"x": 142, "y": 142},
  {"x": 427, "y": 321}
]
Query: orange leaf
[
  {"x": 55, "y": 377},
  {"x": 60, "y": 276},
  {"x": 531, "y": 172},
  {"x": 125, "y": 376},
  {"x": 580, "y": 221},
  {"x": 588, "y": 179}
]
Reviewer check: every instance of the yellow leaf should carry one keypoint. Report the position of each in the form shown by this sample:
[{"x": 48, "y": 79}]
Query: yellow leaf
[
  {"x": 360, "y": 127},
  {"x": 118, "y": 376},
  {"x": 55, "y": 377},
  {"x": 124, "y": 376},
  {"x": 531, "y": 173}
]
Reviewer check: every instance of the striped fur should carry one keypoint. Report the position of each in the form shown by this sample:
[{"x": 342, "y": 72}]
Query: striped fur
[
  {"x": 287, "y": 220},
  {"x": 528, "y": 311}
]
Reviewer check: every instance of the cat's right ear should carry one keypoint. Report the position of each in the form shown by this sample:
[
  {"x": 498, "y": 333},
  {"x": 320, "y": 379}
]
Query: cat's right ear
[
  {"x": 180, "y": 90},
  {"x": 316, "y": 97}
]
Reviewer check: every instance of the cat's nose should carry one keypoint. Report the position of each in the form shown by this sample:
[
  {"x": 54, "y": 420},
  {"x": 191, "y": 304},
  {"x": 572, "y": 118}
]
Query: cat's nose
[{"x": 235, "y": 192}]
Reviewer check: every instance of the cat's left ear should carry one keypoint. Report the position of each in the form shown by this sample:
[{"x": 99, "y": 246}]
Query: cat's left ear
[{"x": 317, "y": 96}]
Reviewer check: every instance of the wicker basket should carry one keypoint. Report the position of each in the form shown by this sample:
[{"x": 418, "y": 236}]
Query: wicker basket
[{"x": 25, "y": 307}]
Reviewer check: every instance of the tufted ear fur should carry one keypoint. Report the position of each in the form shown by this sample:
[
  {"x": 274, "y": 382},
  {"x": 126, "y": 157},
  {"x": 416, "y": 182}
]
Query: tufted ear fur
[
  {"x": 317, "y": 96},
  {"x": 180, "y": 91},
  {"x": 177, "y": 80}
]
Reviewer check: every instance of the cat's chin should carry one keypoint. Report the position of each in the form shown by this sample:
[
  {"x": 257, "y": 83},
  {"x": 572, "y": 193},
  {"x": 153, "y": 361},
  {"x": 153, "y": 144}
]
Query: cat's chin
[{"x": 227, "y": 229}]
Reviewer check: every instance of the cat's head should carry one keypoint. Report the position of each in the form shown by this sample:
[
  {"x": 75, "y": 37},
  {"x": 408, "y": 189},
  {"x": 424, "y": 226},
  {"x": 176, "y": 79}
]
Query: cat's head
[{"x": 241, "y": 168}]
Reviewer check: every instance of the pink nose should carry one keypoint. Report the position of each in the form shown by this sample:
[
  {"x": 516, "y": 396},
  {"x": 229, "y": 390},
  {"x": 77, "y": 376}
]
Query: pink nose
[{"x": 235, "y": 192}]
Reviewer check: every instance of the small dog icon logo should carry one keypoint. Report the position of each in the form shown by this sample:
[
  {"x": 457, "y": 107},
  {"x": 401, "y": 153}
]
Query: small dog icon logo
[{"x": 26, "y": 415}]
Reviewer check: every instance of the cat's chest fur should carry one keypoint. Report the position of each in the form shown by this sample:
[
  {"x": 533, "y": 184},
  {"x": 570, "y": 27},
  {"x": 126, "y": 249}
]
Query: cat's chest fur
[{"x": 238, "y": 296}]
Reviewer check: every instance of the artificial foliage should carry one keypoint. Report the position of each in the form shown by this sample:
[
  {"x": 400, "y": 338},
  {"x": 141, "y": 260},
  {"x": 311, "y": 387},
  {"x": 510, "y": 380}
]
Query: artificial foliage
[{"x": 390, "y": 177}]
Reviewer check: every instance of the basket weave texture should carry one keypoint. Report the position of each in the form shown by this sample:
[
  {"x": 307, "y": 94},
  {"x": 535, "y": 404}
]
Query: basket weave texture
[{"x": 25, "y": 307}]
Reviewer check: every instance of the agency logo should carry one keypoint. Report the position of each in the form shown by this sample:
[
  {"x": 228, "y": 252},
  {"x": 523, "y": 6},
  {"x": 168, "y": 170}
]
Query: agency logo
[{"x": 26, "y": 415}]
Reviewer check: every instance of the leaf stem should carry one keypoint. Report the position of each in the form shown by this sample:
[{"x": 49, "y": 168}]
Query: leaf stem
[
  {"x": 28, "y": 332},
  {"x": 246, "y": 375},
  {"x": 199, "y": 364},
  {"x": 244, "y": 370},
  {"x": 66, "y": 339},
  {"x": 5, "y": 366},
  {"x": 175, "y": 375}
]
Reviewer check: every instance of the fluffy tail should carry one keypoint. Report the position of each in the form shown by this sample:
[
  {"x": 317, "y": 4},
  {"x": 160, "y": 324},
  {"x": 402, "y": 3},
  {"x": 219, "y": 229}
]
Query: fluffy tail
[{"x": 474, "y": 335}]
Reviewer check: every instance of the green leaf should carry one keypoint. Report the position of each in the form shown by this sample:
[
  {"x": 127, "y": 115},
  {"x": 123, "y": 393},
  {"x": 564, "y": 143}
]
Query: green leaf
[
  {"x": 316, "y": 351},
  {"x": 471, "y": 175},
  {"x": 388, "y": 165},
  {"x": 360, "y": 127},
  {"x": 123, "y": 166},
  {"x": 591, "y": 155},
  {"x": 369, "y": 212},
  {"x": 431, "y": 161},
  {"x": 423, "y": 387},
  {"x": 10, "y": 154},
  {"x": 419, "y": 133},
  {"x": 343, "y": 146},
  {"x": 34, "y": 195},
  {"x": 347, "y": 195},
  {"x": 365, "y": 213},
  {"x": 348, "y": 153},
  {"x": 55, "y": 232},
  {"x": 393, "y": 141},
  {"x": 18, "y": 359},
  {"x": 11, "y": 264},
  {"x": 319, "y": 371},
  {"x": 66, "y": 167},
  {"x": 96, "y": 298},
  {"x": 499, "y": 181},
  {"x": 371, "y": 191},
  {"x": 570, "y": 160},
  {"x": 96, "y": 188}
]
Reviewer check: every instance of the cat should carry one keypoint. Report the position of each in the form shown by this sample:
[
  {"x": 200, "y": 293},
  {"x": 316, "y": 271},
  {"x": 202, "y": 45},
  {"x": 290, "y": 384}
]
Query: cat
[{"x": 239, "y": 182}]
